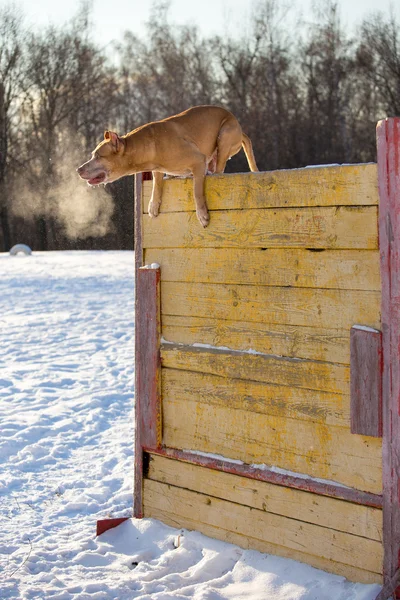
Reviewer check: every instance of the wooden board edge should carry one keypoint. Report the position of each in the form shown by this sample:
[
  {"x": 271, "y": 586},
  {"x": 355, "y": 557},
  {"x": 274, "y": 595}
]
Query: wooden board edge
[{"x": 388, "y": 144}]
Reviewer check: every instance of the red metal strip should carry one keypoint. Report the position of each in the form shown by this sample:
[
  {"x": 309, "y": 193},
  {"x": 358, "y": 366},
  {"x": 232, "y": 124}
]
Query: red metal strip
[
  {"x": 388, "y": 146},
  {"x": 270, "y": 476},
  {"x": 366, "y": 381},
  {"x": 104, "y": 525}
]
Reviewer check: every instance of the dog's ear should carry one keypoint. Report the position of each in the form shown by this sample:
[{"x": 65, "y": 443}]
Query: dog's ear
[{"x": 117, "y": 142}]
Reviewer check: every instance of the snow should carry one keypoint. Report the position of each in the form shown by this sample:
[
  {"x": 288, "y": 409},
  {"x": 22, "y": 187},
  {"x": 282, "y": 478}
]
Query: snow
[
  {"x": 66, "y": 451},
  {"x": 365, "y": 328}
]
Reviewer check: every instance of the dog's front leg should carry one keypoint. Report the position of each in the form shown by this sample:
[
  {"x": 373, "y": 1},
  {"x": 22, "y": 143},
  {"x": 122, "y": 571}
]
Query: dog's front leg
[
  {"x": 156, "y": 194},
  {"x": 199, "y": 172}
]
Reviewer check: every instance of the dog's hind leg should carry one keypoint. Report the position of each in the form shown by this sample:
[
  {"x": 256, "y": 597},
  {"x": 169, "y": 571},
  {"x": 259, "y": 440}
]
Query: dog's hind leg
[
  {"x": 156, "y": 195},
  {"x": 229, "y": 143}
]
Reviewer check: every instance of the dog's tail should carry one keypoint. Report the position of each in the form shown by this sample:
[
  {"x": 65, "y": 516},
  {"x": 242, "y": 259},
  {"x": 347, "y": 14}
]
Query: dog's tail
[{"x": 248, "y": 150}]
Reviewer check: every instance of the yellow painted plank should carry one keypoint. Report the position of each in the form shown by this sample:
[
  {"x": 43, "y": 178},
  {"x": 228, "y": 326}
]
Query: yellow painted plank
[
  {"x": 335, "y": 269},
  {"x": 331, "y": 309},
  {"x": 326, "y": 186},
  {"x": 328, "y": 227},
  {"x": 275, "y": 400},
  {"x": 307, "y": 374},
  {"x": 246, "y": 542},
  {"x": 333, "y": 545},
  {"x": 327, "y": 512},
  {"x": 313, "y": 449},
  {"x": 281, "y": 339}
]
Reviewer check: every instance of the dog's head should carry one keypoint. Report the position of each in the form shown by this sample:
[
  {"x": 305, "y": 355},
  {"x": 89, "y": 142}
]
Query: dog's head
[{"x": 106, "y": 164}]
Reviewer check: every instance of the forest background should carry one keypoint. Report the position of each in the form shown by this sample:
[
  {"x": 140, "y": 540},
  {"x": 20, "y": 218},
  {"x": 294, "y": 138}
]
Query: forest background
[{"x": 305, "y": 92}]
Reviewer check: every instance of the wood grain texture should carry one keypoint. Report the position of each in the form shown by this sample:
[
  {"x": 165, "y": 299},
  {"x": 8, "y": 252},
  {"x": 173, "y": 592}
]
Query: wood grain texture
[
  {"x": 272, "y": 475},
  {"x": 333, "y": 269},
  {"x": 333, "y": 545},
  {"x": 366, "y": 381},
  {"x": 280, "y": 339},
  {"x": 303, "y": 506},
  {"x": 246, "y": 542},
  {"x": 138, "y": 221},
  {"x": 147, "y": 371},
  {"x": 336, "y": 309},
  {"x": 148, "y": 365},
  {"x": 349, "y": 185},
  {"x": 138, "y": 462},
  {"x": 343, "y": 227},
  {"x": 388, "y": 141},
  {"x": 304, "y": 447},
  {"x": 271, "y": 399},
  {"x": 307, "y": 374}
]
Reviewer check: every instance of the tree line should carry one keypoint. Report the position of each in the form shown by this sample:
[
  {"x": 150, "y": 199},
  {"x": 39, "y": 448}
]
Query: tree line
[{"x": 305, "y": 92}]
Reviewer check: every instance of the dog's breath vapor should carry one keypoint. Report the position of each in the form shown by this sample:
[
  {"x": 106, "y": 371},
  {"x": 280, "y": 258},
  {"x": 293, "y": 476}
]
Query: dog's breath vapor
[{"x": 82, "y": 211}]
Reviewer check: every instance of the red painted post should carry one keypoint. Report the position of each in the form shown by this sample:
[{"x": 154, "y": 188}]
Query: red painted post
[
  {"x": 147, "y": 373},
  {"x": 147, "y": 349},
  {"x": 388, "y": 142},
  {"x": 366, "y": 381}
]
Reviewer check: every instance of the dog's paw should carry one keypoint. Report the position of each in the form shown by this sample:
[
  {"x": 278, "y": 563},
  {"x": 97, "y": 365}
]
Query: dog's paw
[
  {"x": 153, "y": 209},
  {"x": 203, "y": 216}
]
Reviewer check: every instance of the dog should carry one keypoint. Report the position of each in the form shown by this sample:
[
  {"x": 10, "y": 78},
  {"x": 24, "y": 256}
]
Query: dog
[{"x": 195, "y": 142}]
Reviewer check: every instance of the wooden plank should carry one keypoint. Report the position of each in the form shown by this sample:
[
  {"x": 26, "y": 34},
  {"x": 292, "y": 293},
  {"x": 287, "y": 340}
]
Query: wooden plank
[
  {"x": 148, "y": 366},
  {"x": 334, "y": 269},
  {"x": 138, "y": 462},
  {"x": 388, "y": 140},
  {"x": 246, "y": 542},
  {"x": 272, "y": 475},
  {"x": 333, "y": 545},
  {"x": 280, "y": 339},
  {"x": 335, "y": 309},
  {"x": 312, "y": 449},
  {"x": 343, "y": 227},
  {"x": 326, "y": 186},
  {"x": 147, "y": 370},
  {"x": 307, "y": 374},
  {"x": 138, "y": 221},
  {"x": 327, "y": 512},
  {"x": 366, "y": 381},
  {"x": 275, "y": 400}
]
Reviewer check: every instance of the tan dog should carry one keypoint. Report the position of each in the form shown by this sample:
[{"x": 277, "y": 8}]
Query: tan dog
[{"x": 198, "y": 140}]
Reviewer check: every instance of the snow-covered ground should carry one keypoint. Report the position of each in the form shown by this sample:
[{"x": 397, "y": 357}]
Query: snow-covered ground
[{"x": 66, "y": 454}]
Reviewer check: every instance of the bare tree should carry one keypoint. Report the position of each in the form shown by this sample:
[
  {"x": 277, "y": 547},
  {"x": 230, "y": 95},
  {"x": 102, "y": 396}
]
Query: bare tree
[{"x": 11, "y": 77}]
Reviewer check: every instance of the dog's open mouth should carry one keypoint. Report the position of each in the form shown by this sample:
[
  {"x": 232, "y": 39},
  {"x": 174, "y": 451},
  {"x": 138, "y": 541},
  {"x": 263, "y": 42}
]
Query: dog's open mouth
[{"x": 100, "y": 178}]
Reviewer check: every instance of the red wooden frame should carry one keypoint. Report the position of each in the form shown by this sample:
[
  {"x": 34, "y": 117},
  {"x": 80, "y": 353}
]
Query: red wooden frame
[
  {"x": 147, "y": 355},
  {"x": 388, "y": 145}
]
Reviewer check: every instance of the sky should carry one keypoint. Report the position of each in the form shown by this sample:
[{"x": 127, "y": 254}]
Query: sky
[{"x": 113, "y": 17}]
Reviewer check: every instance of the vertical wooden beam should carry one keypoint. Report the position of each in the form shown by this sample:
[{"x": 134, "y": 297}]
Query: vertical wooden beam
[
  {"x": 138, "y": 212},
  {"x": 388, "y": 146},
  {"x": 366, "y": 381},
  {"x": 138, "y": 464},
  {"x": 147, "y": 372}
]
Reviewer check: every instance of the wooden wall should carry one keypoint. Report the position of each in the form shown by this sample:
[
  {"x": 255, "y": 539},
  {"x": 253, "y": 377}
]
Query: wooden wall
[{"x": 256, "y": 312}]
